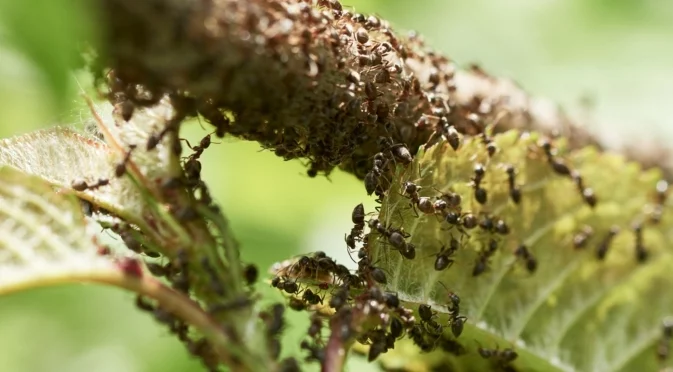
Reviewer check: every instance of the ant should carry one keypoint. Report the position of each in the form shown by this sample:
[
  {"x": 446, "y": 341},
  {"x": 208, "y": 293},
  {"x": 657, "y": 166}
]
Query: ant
[
  {"x": 580, "y": 239},
  {"x": 587, "y": 192},
  {"x": 480, "y": 194},
  {"x": 423, "y": 203},
  {"x": 481, "y": 263},
  {"x": 451, "y": 199},
  {"x": 399, "y": 150},
  {"x": 454, "y": 300},
  {"x": 457, "y": 220},
  {"x": 428, "y": 316},
  {"x": 120, "y": 168},
  {"x": 491, "y": 147},
  {"x": 514, "y": 190},
  {"x": 523, "y": 253},
  {"x": 450, "y": 133},
  {"x": 557, "y": 165},
  {"x": 604, "y": 246},
  {"x": 641, "y": 251},
  {"x": 371, "y": 179},
  {"x": 444, "y": 259},
  {"x": 358, "y": 218},
  {"x": 312, "y": 298},
  {"x": 81, "y": 185},
  {"x": 339, "y": 298}
]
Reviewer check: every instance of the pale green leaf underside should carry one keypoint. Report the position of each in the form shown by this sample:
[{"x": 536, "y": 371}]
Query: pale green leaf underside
[
  {"x": 575, "y": 312},
  {"x": 61, "y": 155},
  {"x": 44, "y": 238}
]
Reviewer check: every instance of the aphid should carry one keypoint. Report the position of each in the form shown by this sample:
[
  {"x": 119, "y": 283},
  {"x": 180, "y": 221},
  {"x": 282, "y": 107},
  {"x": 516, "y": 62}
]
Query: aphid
[
  {"x": 131, "y": 266},
  {"x": 641, "y": 251},
  {"x": 297, "y": 304},
  {"x": 514, "y": 191},
  {"x": 604, "y": 246}
]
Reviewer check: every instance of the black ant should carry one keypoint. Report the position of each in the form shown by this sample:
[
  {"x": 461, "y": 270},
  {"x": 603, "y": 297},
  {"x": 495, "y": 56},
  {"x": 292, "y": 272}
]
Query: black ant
[
  {"x": 339, "y": 298},
  {"x": 450, "y": 133},
  {"x": 480, "y": 194},
  {"x": 491, "y": 147},
  {"x": 587, "y": 192},
  {"x": 604, "y": 246},
  {"x": 358, "y": 217},
  {"x": 120, "y": 168},
  {"x": 312, "y": 298},
  {"x": 455, "y": 219},
  {"x": 580, "y": 239},
  {"x": 557, "y": 165},
  {"x": 514, "y": 190},
  {"x": 641, "y": 251},
  {"x": 444, "y": 259},
  {"x": 371, "y": 179},
  {"x": 427, "y": 316},
  {"x": 481, "y": 264},
  {"x": 423, "y": 203},
  {"x": 530, "y": 261},
  {"x": 452, "y": 199},
  {"x": 454, "y": 300},
  {"x": 399, "y": 150}
]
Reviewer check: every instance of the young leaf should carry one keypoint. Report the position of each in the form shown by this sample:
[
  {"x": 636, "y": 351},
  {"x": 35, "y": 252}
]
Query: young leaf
[{"x": 558, "y": 302}]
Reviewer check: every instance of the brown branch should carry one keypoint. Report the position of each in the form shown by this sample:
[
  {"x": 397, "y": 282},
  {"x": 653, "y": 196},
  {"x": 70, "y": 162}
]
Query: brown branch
[{"x": 307, "y": 79}]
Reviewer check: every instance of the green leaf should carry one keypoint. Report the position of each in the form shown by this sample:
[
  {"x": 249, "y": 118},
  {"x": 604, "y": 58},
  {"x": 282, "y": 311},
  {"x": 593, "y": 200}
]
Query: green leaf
[
  {"x": 49, "y": 33},
  {"x": 574, "y": 311},
  {"x": 44, "y": 237}
]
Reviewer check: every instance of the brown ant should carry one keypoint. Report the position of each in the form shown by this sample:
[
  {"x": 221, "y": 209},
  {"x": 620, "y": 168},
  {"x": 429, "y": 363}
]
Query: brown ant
[
  {"x": 530, "y": 261},
  {"x": 480, "y": 194},
  {"x": 514, "y": 190},
  {"x": 81, "y": 185},
  {"x": 604, "y": 246}
]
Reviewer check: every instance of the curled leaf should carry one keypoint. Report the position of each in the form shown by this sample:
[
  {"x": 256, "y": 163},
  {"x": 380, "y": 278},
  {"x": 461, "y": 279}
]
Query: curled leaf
[{"x": 574, "y": 274}]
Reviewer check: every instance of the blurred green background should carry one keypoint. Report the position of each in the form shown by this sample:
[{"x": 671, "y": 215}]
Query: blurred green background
[{"x": 610, "y": 61}]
